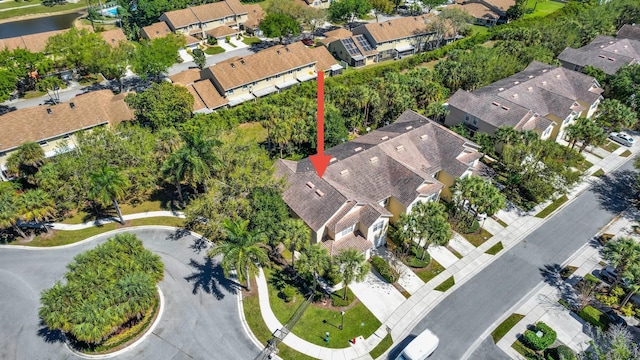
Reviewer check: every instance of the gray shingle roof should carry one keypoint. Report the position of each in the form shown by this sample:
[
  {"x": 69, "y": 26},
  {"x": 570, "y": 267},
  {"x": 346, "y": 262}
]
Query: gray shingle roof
[
  {"x": 604, "y": 52},
  {"x": 629, "y": 31}
]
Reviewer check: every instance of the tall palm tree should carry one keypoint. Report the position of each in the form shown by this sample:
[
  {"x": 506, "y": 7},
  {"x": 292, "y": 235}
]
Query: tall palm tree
[
  {"x": 36, "y": 205},
  {"x": 314, "y": 260},
  {"x": 26, "y": 160},
  {"x": 296, "y": 235},
  {"x": 506, "y": 135},
  {"x": 10, "y": 211},
  {"x": 621, "y": 253},
  {"x": 108, "y": 185},
  {"x": 353, "y": 267},
  {"x": 241, "y": 250}
]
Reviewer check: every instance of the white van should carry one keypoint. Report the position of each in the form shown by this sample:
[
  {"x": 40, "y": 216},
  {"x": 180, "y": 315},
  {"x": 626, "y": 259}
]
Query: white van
[{"x": 421, "y": 347}]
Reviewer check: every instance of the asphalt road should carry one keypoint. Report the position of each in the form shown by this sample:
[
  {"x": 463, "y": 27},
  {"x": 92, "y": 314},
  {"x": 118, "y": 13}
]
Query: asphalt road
[
  {"x": 466, "y": 313},
  {"x": 200, "y": 319}
]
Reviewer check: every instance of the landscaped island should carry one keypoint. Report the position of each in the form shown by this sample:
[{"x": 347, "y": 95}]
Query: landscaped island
[{"x": 109, "y": 298}]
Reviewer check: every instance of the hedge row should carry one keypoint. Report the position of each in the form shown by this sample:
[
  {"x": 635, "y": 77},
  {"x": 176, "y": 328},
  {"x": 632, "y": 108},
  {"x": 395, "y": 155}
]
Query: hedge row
[
  {"x": 384, "y": 269},
  {"x": 533, "y": 341}
]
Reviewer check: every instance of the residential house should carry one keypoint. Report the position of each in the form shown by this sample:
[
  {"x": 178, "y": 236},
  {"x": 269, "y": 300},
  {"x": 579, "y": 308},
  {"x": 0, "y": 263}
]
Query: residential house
[
  {"x": 355, "y": 50},
  {"x": 487, "y": 12},
  {"x": 53, "y": 127},
  {"x": 542, "y": 98},
  {"x": 113, "y": 37},
  {"x": 605, "y": 52},
  {"x": 206, "y": 98},
  {"x": 33, "y": 42},
  {"x": 155, "y": 30},
  {"x": 374, "y": 178},
  {"x": 244, "y": 78},
  {"x": 254, "y": 17},
  {"x": 629, "y": 31},
  {"x": 400, "y": 37},
  {"x": 197, "y": 20}
]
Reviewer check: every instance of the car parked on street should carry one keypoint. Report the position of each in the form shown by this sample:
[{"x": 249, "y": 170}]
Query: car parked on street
[
  {"x": 622, "y": 138},
  {"x": 421, "y": 347}
]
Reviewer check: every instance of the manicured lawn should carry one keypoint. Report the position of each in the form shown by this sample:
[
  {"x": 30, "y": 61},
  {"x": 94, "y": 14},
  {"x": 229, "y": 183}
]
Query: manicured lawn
[
  {"x": 585, "y": 166},
  {"x": 610, "y": 146},
  {"x": 478, "y": 238},
  {"x": 212, "y": 50},
  {"x": 543, "y": 8},
  {"x": 33, "y": 94},
  {"x": 251, "y": 40},
  {"x": 430, "y": 271},
  {"x": 316, "y": 321},
  {"x": 479, "y": 29},
  {"x": 495, "y": 248},
  {"x": 251, "y": 308},
  {"x": 505, "y": 326},
  {"x": 598, "y": 173},
  {"x": 382, "y": 346},
  {"x": 454, "y": 252},
  {"x": 554, "y": 205},
  {"x": 502, "y": 223},
  {"x": 446, "y": 285},
  {"x": 60, "y": 237},
  {"x": 21, "y": 11},
  {"x": 626, "y": 153},
  {"x": 17, "y": 4}
]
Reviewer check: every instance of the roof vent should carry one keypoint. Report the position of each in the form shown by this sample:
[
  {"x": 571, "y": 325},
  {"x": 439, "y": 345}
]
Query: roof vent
[
  {"x": 72, "y": 105},
  {"x": 530, "y": 88},
  {"x": 409, "y": 127},
  {"x": 333, "y": 159},
  {"x": 310, "y": 185},
  {"x": 615, "y": 50},
  {"x": 384, "y": 138},
  {"x": 423, "y": 136},
  {"x": 557, "y": 76},
  {"x": 400, "y": 147},
  {"x": 48, "y": 110},
  {"x": 500, "y": 89},
  {"x": 389, "y": 23},
  {"x": 242, "y": 62},
  {"x": 233, "y": 65},
  {"x": 373, "y": 159},
  {"x": 626, "y": 46},
  {"x": 504, "y": 107},
  {"x": 544, "y": 82},
  {"x": 530, "y": 76},
  {"x": 278, "y": 52},
  {"x": 357, "y": 149},
  {"x": 516, "y": 82},
  {"x": 319, "y": 193},
  {"x": 344, "y": 172},
  {"x": 611, "y": 42},
  {"x": 495, "y": 103},
  {"x": 601, "y": 56},
  {"x": 544, "y": 70},
  {"x": 611, "y": 59},
  {"x": 515, "y": 95},
  {"x": 287, "y": 49}
]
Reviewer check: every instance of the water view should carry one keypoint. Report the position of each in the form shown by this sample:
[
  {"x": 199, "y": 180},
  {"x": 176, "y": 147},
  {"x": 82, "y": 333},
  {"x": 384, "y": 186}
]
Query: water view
[{"x": 37, "y": 25}]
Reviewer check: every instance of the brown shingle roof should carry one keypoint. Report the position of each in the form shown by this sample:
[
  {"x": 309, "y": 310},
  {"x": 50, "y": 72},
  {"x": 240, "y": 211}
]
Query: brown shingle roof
[
  {"x": 325, "y": 59},
  {"x": 198, "y": 104},
  {"x": 478, "y": 11},
  {"x": 351, "y": 241},
  {"x": 33, "y": 42},
  {"x": 340, "y": 33},
  {"x": 36, "y": 124},
  {"x": 186, "y": 77},
  {"x": 113, "y": 37},
  {"x": 180, "y": 18},
  {"x": 209, "y": 95},
  {"x": 399, "y": 28},
  {"x": 190, "y": 40},
  {"x": 221, "y": 31},
  {"x": 254, "y": 16},
  {"x": 156, "y": 30},
  {"x": 204, "y": 13}
]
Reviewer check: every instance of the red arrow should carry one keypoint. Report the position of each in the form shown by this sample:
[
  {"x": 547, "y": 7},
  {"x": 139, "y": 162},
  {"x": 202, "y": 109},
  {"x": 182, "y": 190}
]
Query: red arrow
[{"x": 320, "y": 161}]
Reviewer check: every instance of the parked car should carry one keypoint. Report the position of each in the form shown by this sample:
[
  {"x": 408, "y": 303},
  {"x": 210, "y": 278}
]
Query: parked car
[
  {"x": 308, "y": 42},
  {"x": 622, "y": 138},
  {"x": 613, "y": 317},
  {"x": 421, "y": 347},
  {"x": 609, "y": 274}
]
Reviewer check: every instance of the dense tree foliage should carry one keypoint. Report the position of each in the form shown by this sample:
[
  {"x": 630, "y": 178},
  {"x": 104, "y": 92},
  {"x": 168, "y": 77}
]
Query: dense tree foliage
[
  {"x": 152, "y": 59},
  {"x": 425, "y": 225},
  {"x": 162, "y": 105},
  {"x": 348, "y": 10},
  {"x": 279, "y": 25},
  {"x": 105, "y": 288}
]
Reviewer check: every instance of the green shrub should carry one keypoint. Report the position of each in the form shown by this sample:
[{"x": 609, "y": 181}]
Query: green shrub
[
  {"x": 417, "y": 263},
  {"x": 288, "y": 293},
  {"x": 333, "y": 276},
  {"x": 592, "y": 279},
  {"x": 212, "y": 41},
  {"x": 473, "y": 227},
  {"x": 562, "y": 352},
  {"x": 384, "y": 269},
  {"x": 594, "y": 317},
  {"x": 531, "y": 339}
]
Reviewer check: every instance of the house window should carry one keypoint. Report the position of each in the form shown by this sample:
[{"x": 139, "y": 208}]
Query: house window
[
  {"x": 467, "y": 118},
  {"x": 244, "y": 87},
  {"x": 230, "y": 92},
  {"x": 43, "y": 143},
  {"x": 346, "y": 231},
  {"x": 378, "y": 226}
]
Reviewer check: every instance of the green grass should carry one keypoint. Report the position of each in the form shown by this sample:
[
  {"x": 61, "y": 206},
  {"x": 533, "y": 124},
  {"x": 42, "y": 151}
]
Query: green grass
[
  {"x": 358, "y": 320},
  {"x": 502, "y": 223},
  {"x": 479, "y": 29},
  {"x": 15, "y": 4},
  {"x": 626, "y": 153},
  {"x": 446, "y": 285},
  {"x": 586, "y": 165},
  {"x": 594, "y": 317},
  {"x": 505, "y": 326},
  {"x": 33, "y": 94},
  {"x": 567, "y": 271},
  {"x": 252, "y": 132},
  {"x": 62, "y": 237},
  {"x": 478, "y": 238},
  {"x": 22, "y": 11},
  {"x": 610, "y": 146},
  {"x": 495, "y": 248},
  {"x": 382, "y": 347},
  {"x": 552, "y": 207},
  {"x": 543, "y": 8},
  {"x": 598, "y": 173},
  {"x": 212, "y": 50},
  {"x": 251, "y": 40},
  {"x": 253, "y": 315},
  {"x": 430, "y": 271},
  {"x": 454, "y": 252}
]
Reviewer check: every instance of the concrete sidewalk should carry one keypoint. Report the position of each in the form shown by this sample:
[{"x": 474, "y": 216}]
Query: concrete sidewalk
[{"x": 99, "y": 222}]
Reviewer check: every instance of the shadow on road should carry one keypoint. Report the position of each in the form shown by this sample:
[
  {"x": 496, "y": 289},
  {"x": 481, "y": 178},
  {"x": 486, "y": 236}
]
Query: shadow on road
[
  {"x": 617, "y": 191},
  {"x": 50, "y": 336},
  {"x": 178, "y": 234},
  {"x": 209, "y": 277},
  {"x": 551, "y": 274}
]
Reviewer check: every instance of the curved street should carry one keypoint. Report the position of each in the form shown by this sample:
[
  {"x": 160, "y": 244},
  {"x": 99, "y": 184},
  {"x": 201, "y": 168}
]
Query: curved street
[{"x": 200, "y": 319}]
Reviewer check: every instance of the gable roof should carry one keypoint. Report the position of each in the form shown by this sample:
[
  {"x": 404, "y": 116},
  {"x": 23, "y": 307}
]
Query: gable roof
[
  {"x": 33, "y": 42},
  {"x": 186, "y": 77},
  {"x": 255, "y": 14},
  {"x": 476, "y": 10},
  {"x": 399, "y": 28},
  {"x": 37, "y": 124},
  {"x": 326, "y": 61},
  {"x": 629, "y": 31},
  {"x": 222, "y": 31},
  {"x": 398, "y": 160},
  {"x": 180, "y": 18},
  {"x": 113, "y": 37},
  {"x": 156, "y": 30},
  {"x": 208, "y": 94},
  {"x": 605, "y": 52},
  {"x": 204, "y": 13}
]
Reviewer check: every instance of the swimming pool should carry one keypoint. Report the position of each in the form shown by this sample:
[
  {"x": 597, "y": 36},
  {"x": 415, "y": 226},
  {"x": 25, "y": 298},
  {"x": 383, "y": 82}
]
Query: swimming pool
[{"x": 111, "y": 11}]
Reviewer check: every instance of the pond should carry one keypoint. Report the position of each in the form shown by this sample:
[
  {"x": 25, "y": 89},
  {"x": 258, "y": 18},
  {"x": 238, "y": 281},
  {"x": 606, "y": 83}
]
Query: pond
[{"x": 37, "y": 25}]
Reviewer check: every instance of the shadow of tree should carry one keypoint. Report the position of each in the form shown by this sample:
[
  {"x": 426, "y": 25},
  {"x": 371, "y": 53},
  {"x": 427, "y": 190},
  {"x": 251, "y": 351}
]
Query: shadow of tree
[
  {"x": 51, "y": 336},
  {"x": 178, "y": 234},
  {"x": 209, "y": 277},
  {"x": 199, "y": 244},
  {"x": 617, "y": 191},
  {"x": 551, "y": 274}
]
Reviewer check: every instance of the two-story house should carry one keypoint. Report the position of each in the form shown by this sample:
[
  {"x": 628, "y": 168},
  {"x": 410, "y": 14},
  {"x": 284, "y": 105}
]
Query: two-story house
[
  {"x": 197, "y": 20},
  {"x": 355, "y": 50},
  {"x": 605, "y": 52},
  {"x": 371, "y": 180},
  {"x": 543, "y": 98}
]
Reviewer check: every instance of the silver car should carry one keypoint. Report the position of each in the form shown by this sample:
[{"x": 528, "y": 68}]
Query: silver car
[{"x": 622, "y": 138}]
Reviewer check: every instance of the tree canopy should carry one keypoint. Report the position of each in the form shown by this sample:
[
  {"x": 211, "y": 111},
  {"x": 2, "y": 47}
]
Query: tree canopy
[
  {"x": 279, "y": 25},
  {"x": 162, "y": 105}
]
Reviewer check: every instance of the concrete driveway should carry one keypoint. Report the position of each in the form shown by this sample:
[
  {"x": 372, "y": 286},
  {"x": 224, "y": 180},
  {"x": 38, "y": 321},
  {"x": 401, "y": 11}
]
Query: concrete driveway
[{"x": 200, "y": 321}]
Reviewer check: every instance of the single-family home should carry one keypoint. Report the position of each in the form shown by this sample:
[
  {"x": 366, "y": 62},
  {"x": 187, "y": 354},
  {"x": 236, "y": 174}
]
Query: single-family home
[
  {"x": 486, "y": 12},
  {"x": 244, "y": 78},
  {"x": 374, "y": 178},
  {"x": 53, "y": 126},
  {"x": 400, "y": 37},
  {"x": 197, "y": 20},
  {"x": 542, "y": 98},
  {"x": 605, "y": 52}
]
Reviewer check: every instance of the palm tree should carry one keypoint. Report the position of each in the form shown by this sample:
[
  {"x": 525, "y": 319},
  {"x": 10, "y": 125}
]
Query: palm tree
[
  {"x": 26, "y": 160},
  {"x": 315, "y": 260},
  {"x": 622, "y": 253},
  {"x": 465, "y": 192},
  {"x": 353, "y": 267},
  {"x": 241, "y": 250},
  {"x": 108, "y": 184},
  {"x": 36, "y": 205},
  {"x": 506, "y": 135},
  {"x": 632, "y": 275},
  {"x": 10, "y": 211},
  {"x": 296, "y": 235}
]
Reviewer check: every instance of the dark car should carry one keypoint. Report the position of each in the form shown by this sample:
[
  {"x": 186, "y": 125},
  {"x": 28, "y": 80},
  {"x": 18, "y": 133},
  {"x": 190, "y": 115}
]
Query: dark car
[
  {"x": 308, "y": 42},
  {"x": 614, "y": 318},
  {"x": 608, "y": 274}
]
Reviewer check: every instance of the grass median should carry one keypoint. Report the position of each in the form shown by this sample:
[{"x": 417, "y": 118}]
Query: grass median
[{"x": 552, "y": 207}]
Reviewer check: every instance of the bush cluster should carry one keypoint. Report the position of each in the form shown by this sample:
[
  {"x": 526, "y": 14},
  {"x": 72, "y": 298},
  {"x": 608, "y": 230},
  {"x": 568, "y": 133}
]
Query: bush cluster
[
  {"x": 594, "y": 317},
  {"x": 384, "y": 269},
  {"x": 534, "y": 342},
  {"x": 562, "y": 352}
]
